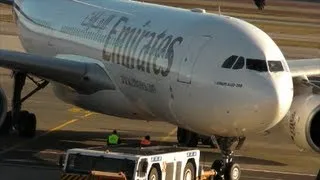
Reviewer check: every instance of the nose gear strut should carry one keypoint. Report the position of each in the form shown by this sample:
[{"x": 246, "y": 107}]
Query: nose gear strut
[{"x": 226, "y": 168}]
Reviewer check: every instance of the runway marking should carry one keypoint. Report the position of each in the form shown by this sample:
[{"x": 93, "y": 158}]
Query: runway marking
[
  {"x": 80, "y": 110},
  {"x": 74, "y": 109},
  {"x": 49, "y": 152},
  {"x": 89, "y": 114},
  {"x": 37, "y": 137},
  {"x": 58, "y": 127},
  {"x": 21, "y": 161},
  {"x": 170, "y": 134}
]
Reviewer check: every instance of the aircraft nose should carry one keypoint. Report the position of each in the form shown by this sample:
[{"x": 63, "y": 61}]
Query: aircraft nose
[
  {"x": 278, "y": 93},
  {"x": 283, "y": 86}
]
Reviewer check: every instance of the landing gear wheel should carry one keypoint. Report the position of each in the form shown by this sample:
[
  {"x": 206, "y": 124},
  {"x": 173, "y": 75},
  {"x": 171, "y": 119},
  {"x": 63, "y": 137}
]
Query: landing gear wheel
[
  {"x": 7, "y": 124},
  {"x": 233, "y": 171},
  {"x": 226, "y": 168},
  {"x": 189, "y": 173},
  {"x": 217, "y": 165},
  {"x": 154, "y": 174},
  {"x": 27, "y": 124}
]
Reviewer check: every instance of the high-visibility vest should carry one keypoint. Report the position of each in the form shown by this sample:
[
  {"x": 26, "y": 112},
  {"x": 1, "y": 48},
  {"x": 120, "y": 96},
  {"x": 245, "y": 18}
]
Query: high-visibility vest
[
  {"x": 113, "y": 139},
  {"x": 145, "y": 142}
]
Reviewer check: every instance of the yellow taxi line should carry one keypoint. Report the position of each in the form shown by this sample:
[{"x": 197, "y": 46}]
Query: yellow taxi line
[
  {"x": 37, "y": 137},
  {"x": 88, "y": 114},
  {"x": 173, "y": 131},
  {"x": 44, "y": 134}
]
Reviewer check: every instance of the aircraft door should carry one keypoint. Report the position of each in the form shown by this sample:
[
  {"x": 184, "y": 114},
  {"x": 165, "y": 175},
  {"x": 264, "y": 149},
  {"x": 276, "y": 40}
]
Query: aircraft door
[{"x": 193, "y": 49}]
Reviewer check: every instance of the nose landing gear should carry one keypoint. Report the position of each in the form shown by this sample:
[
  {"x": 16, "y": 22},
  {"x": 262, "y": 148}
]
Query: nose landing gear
[{"x": 226, "y": 168}]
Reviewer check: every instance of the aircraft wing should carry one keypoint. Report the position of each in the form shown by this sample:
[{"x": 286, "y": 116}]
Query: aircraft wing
[
  {"x": 84, "y": 77},
  {"x": 304, "y": 67}
]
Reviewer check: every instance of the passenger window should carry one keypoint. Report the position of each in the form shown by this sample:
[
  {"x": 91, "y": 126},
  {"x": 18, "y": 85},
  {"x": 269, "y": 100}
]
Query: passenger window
[
  {"x": 239, "y": 64},
  {"x": 275, "y": 66},
  {"x": 257, "y": 65},
  {"x": 229, "y": 62}
]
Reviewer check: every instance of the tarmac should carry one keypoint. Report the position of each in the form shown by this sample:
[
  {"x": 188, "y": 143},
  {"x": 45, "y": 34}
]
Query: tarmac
[{"x": 62, "y": 126}]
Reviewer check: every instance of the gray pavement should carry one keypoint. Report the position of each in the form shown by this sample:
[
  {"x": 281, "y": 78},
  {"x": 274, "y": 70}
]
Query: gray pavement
[{"x": 19, "y": 172}]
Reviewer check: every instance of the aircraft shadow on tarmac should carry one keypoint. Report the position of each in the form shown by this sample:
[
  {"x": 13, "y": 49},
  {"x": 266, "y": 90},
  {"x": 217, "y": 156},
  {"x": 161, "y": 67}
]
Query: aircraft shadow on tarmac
[{"x": 62, "y": 140}]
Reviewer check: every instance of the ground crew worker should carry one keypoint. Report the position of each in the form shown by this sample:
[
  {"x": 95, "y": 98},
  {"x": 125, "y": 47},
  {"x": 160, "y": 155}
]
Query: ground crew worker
[
  {"x": 145, "y": 141},
  {"x": 113, "y": 139}
]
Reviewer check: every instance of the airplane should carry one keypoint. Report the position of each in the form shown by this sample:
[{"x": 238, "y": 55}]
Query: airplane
[{"x": 208, "y": 74}]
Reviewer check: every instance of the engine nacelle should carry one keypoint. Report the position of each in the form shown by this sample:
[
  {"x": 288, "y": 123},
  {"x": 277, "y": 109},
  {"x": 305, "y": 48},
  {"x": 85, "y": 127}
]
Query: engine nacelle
[
  {"x": 303, "y": 121},
  {"x": 3, "y": 106}
]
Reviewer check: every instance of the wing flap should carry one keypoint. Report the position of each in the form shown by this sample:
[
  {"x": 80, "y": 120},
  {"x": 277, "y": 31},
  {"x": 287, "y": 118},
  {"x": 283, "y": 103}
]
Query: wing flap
[
  {"x": 84, "y": 77},
  {"x": 304, "y": 67}
]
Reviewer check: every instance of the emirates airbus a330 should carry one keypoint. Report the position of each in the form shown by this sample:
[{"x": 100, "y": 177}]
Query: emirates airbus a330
[{"x": 210, "y": 75}]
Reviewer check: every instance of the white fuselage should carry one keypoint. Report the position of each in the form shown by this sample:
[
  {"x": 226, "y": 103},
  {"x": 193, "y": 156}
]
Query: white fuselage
[{"x": 166, "y": 63}]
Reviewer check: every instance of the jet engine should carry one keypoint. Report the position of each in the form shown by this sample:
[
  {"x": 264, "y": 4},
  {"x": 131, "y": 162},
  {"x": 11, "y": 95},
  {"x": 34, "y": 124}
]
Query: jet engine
[
  {"x": 3, "y": 106},
  {"x": 303, "y": 121}
]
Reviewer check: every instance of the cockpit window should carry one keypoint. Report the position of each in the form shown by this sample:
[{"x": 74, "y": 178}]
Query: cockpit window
[
  {"x": 257, "y": 65},
  {"x": 275, "y": 66},
  {"x": 239, "y": 64},
  {"x": 229, "y": 62}
]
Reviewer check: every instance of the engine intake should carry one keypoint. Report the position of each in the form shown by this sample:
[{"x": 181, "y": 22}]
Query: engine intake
[
  {"x": 303, "y": 122},
  {"x": 314, "y": 128}
]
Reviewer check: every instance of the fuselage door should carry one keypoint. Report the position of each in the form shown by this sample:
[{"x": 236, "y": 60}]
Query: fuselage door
[{"x": 192, "y": 49}]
